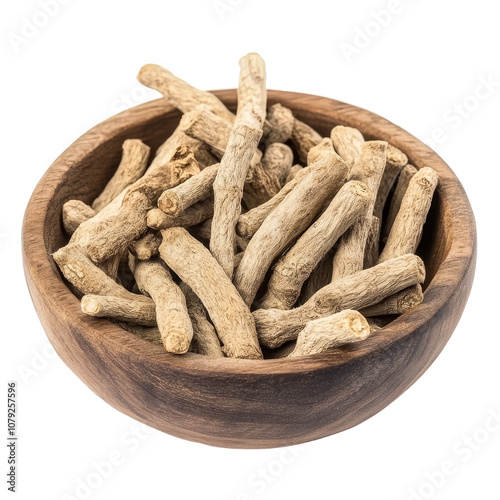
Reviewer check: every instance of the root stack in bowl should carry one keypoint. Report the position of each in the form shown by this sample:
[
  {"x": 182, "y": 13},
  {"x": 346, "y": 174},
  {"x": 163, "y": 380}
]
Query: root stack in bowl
[{"x": 250, "y": 231}]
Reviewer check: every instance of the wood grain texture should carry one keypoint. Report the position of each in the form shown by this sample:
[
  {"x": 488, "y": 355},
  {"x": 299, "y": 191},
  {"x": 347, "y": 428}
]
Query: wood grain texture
[{"x": 233, "y": 402}]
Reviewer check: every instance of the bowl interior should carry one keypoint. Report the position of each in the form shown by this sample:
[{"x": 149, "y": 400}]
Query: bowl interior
[{"x": 88, "y": 175}]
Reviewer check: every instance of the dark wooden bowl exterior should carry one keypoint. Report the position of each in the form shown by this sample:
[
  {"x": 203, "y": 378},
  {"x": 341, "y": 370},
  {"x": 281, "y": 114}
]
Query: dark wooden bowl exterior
[{"x": 243, "y": 403}]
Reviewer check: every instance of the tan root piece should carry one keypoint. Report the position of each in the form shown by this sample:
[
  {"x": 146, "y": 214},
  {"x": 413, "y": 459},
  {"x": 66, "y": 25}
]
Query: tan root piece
[
  {"x": 212, "y": 130},
  {"x": 249, "y": 222},
  {"x": 304, "y": 138},
  {"x": 320, "y": 277},
  {"x": 281, "y": 121},
  {"x": 372, "y": 243},
  {"x": 396, "y": 160},
  {"x": 197, "y": 213},
  {"x": 166, "y": 151},
  {"x": 228, "y": 189},
  {"x": 175, "y": 200},
  {"x": 293, "y": 172},
  {"x": 241, "y": 243},
  {"x": 203, "y": 230},
  {"x": 400, "y": 302},
  {"x": 396, "y": 157},
  {"x": 348, "y": 142},
  {"x": 132, "y": 310},
  {"x": 131, "y": 168},
  {"x": 297, "y": 264},
  {"x": 363, "y": 289},
  {"x": 196, "y": 267},
  {"x": 130, "y": 222},
  {"x": 146, "y": 247},
  {"x": 407, "y": 229},
  {"x": 404, "y": 179},
  {"x": 278, "y": 160},
  {"x": 292, "y": 216},
  {"x": 179, "y": 93},
  {"x": 339, "y": 329},
  {"x": 74, "y": 213},
  {"x": 172, "y": 316},
  {"x": 314, "y": 154},
  {"x": 111, "y": 266},
  {"x": 260, "y": 186},
  {"x": 252, "y": 92},
  {"x": 82, "y": 273},
  {"x": 206, "y": 126},
  {"x": 237, "y": 259},
  {"x": 369, "y": 168},
  {"x": 205, "y": 340},
  {"x": 89, "y": 227}
]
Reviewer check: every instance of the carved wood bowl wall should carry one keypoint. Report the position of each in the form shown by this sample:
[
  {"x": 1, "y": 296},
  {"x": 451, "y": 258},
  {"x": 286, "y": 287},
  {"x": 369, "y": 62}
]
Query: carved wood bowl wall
[{"x": 244, "y": 403}]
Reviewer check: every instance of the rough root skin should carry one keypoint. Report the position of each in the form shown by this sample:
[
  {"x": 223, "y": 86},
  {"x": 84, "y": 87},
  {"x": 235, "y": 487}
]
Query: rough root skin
[{"x": 322, "y": 334}]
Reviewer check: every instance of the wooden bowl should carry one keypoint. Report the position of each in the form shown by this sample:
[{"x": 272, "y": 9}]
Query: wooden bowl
[{"x": 244, "y": 403}]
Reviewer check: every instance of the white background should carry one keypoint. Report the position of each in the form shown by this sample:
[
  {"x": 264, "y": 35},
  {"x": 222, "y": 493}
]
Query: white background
[{"x": 417, "y": 70}]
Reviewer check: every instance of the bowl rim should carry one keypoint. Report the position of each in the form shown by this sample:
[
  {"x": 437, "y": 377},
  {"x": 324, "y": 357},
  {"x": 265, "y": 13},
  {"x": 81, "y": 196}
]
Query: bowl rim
[{"x": 461, "y": 244}]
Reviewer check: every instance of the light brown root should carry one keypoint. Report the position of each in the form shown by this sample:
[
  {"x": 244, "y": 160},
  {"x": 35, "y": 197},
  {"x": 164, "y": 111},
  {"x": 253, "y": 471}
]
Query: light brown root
[
  {"x": 297, "y": 264},
  {"x": 398, "y": 303},
  {"x": 339, "y": 329},
  {"x": 404, "y": 179},
  {"x": 348, "y": 142},
  {"x": 179, "y": 93},
  {"x": 314, "y": 154},
  {"x": 281, "y": 120},
  {"x": 199, "y": 212},
  {"x": 231, "y": 317},
  {"x": 360, "y": 290},
  {"x": 205, "y": 340},
  {"x": 130, "y": 222},
  {"x": 249, "y": 222},
  {"x": 304, "y": 138},
  {"x": 146, "y": 248},
  {"x": 293, "y": 172},
  {"x": 260, "y": 186},
  {"x": 74, "y": 213},
  {"x": 292, "y": 216},
  {"x": 277, "y": 160},
  {"x": 372, "y": 243},
  {"x": 396, "y": 160},
  {"x": 176, "y": 200},
  {"x": 320, "y": 277},
  {"x": 135, "y": 309},
  {"x": 407, "y": 229},
  {"x": 131, "y": 168},
  {"x": 228, "y": 190},
  {"x": 171, "y": 311},
  {"x": 252, "y": 92},
  {"x": 82, "y": 273},
  {"x": 369, "y": 168}
]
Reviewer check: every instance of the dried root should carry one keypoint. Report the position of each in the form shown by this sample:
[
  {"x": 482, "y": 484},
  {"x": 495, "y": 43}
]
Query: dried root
[
  {"x": 287, "y": 221},
  {"x": 407, "y": 229},
  {"x": 348, "y": 142},
  {"x": 75, "y": 213},
  {"x": 231, "y": 317},
  {"x": 281, "y": 121},
  {"x": 297, "y": 264},
  {"x": 131, "y": 168},
  {"x": 322, "y": 334},
  {"x": 304, "y": 235},
  {"x": 363, "y": 289}
]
